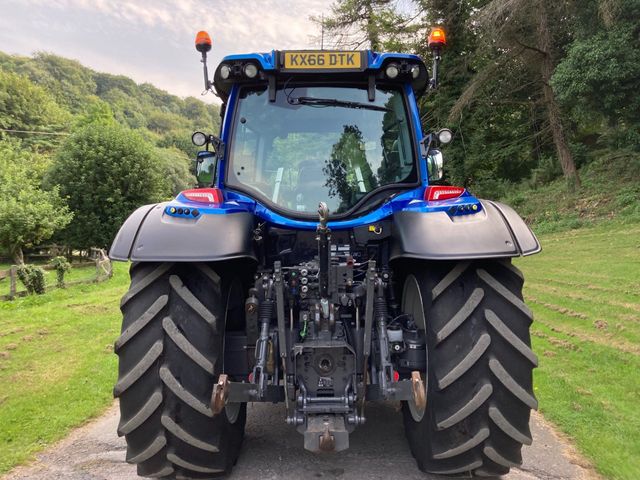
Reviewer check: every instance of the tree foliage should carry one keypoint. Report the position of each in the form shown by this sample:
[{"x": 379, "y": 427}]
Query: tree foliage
[
  {"x": 29, "y": 215},
  {"x": 49, "y": 81},
  {"x": 105, "y": 171},
  {"x": 374, "y": 24},
  {"x": 599, "y": 75},
  {"x": 527, "y": 86},
  {"x": 130, "y": 144},
  {"x": 25, "y": 106},
  {"x": 177, "y": 169}
]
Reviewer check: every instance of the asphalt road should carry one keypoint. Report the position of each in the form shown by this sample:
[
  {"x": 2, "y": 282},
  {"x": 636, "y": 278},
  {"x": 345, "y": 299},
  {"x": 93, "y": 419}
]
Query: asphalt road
[{"x": 273, "y": 450}]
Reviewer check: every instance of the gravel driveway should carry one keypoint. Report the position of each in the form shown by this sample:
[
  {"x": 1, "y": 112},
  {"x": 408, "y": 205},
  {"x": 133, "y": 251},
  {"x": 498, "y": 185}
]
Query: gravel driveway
[{"x": 273, "y": 450}]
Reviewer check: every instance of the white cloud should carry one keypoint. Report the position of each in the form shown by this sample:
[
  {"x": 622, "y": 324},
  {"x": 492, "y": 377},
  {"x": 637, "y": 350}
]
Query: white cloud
[{"x": 152, "y": 40}]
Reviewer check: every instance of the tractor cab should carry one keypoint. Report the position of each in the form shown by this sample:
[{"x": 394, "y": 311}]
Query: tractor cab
[{"x": 303, "y": 127}]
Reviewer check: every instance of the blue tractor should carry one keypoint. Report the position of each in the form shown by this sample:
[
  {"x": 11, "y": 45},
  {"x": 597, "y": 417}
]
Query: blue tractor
[{"x": 323, "y": 263}]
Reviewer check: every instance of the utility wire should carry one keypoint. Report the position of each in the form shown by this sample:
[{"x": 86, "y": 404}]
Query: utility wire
[{"x": 32, "y": 131}]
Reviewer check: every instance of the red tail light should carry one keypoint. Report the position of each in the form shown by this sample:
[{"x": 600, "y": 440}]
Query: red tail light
[
  {"x": 440, "y": 192},
  {"x": 204, "y": 195}
]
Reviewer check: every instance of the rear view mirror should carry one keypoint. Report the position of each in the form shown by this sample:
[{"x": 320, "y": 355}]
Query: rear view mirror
[
  {"x": 206, "y": 168},
  {"x": 435, "y": 165}
]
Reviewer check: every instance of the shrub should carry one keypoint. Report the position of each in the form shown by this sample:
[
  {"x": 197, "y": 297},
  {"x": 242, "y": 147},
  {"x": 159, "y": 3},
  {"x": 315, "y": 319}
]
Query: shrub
[
  {"x": 32, "y": 277},
  {"x": 61, "y": 266}
]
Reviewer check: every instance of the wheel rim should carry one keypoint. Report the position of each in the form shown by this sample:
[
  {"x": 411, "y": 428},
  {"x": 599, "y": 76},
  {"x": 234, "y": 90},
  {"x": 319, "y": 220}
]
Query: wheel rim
[
  {"x": 232, "y": 410},
  {"x": 412, "y": 305}
]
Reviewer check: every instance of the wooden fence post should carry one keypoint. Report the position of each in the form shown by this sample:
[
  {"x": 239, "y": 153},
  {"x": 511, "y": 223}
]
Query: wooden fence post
[
  {"x": 13, "y": 277},
  {"x": 103, "y": 264}
]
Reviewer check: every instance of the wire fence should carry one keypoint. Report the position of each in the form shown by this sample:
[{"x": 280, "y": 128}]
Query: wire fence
[{"x": 102, "y": 270}]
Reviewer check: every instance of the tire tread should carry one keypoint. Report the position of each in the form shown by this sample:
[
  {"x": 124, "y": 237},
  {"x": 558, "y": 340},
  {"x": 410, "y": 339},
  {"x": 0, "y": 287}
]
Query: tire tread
[
  {"x": 168, "y": 350},
  {"x": 478, "y": 339}
]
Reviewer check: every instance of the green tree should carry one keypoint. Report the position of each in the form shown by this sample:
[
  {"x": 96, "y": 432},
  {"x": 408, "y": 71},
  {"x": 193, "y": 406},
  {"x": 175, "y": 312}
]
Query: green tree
[
  {"x": 160, "y": 121},
  {"x": 599, "y": 76},
  {"x": 519, "y": 36},
  {"x": 106, "y": 171},
  {"x": 68, "y": 80},
  {"x": 177, "y": 169},
  {"x": 26, "y": 106},
  {"x": 96, "y": 110},
  {"x": 197, "y": 112},
  {"x": 52, "y": 80},
  {"x": 357, "y": 24},
  {"x": 28, "y": 214},
  {"x": 181, "y": 139}
]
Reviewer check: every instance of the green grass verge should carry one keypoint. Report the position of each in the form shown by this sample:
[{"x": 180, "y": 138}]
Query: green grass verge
[
  {"x": 610, "y": 190},
  {"x": 584, "y": 290},
  {"x": 57, "y": 366}
]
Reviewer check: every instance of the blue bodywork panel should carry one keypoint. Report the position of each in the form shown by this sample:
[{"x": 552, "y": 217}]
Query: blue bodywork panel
[{"x": 411, "y": 200}]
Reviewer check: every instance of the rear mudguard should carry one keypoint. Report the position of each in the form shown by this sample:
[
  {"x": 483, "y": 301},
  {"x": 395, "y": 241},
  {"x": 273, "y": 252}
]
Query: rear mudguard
[
  {"x": 496, "y": 231},
  {"x": 149, "y": 235}
]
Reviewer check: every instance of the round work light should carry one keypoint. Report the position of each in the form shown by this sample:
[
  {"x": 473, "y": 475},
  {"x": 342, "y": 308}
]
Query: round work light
[
  {"x": 392, "y": 71},
  {"x": 445, "y": 136},
  {"x": 225, "y": 71},
  {"x": 199, "y": 139},
  {"x": 250, "y": 70}
]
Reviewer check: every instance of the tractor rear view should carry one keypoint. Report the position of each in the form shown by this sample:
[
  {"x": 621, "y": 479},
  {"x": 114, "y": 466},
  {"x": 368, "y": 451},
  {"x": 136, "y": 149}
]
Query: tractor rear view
[{"x": 322, "y": 263}]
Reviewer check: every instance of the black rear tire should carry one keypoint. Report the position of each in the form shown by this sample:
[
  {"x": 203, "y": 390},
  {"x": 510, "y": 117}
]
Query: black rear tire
[
  {"x": 479, "y": 367},
  {"x": 171, "y": 353}
]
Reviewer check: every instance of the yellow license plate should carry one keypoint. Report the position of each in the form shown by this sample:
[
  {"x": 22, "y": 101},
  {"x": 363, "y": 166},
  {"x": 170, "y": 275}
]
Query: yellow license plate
[{"x": 324, "y": 60}]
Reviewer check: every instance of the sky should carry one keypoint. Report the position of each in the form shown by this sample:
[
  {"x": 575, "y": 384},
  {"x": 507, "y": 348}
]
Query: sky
[{"x": 153, "y": 40}]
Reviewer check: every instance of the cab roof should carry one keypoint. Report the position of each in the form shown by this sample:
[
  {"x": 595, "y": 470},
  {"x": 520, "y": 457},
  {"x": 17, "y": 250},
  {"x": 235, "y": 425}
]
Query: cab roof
[{"x": 320, "y": 66}]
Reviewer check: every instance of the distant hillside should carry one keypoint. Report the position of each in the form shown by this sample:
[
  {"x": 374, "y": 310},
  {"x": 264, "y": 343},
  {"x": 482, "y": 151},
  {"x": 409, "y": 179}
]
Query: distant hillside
[{"x": 164, "y": 119}]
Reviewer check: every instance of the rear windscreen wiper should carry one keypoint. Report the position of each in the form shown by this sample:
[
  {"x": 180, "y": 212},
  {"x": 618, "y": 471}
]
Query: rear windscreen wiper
[{"x": 334, "y": 102}]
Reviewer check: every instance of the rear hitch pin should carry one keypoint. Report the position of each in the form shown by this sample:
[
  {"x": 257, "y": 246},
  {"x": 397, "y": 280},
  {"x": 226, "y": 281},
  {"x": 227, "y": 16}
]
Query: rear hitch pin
[
  {"x": 419, "y": 394},
  {"x": 219, "y": 394},
  {"x": 327, "y": 441}
]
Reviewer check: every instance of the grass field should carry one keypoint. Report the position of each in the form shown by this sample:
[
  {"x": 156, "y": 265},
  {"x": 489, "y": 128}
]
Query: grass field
[
  {"x": 584, "y": 290},
  {"x": 57, "y": 366}
]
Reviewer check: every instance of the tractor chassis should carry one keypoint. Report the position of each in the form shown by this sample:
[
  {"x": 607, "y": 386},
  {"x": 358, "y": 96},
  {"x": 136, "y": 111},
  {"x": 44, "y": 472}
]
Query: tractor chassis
[{"x": 325, "y": 419}]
